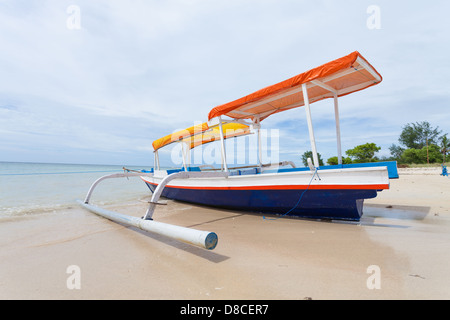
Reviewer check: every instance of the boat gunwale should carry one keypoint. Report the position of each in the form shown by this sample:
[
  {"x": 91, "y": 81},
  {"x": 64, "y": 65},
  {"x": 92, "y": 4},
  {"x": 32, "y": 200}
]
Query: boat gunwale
[
  {"x": 270, "y": 185},
  {"x": 298, "y": 172}
]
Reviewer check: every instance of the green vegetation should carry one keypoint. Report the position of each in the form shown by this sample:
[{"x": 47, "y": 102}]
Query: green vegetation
[
  {"x": 334, "y": 160},
  {"x": 308, "y": 154},
  {"x": 420, "y": 144},
  {"x": 359, "y": 154},
  {"x": 363, "y": 153}
]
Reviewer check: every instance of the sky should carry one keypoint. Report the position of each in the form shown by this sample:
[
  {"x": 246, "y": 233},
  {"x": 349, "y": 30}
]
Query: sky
[{"x": 96, "y": 81}]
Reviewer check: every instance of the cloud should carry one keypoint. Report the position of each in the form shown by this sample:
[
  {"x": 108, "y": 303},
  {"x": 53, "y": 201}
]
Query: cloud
[{"x": 135, "y": 71}]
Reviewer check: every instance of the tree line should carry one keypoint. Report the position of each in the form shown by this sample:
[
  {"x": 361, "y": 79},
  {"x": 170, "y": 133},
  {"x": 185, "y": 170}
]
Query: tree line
[{"x": 419, "y": 143}]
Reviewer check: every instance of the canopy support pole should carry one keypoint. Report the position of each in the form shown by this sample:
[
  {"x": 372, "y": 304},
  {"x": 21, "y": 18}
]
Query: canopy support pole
[
  {"x": 338, "y": 128},
  {"x": 222, "y": 143},
  {"x": 310, "y": 126},
  {"x": 258, "y": 126},
  {"x": 156, "y": 160},
  {"x": 183, "y": 152}
]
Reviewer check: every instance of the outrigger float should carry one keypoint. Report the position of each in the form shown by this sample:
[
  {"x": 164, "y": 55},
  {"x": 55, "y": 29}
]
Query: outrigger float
[{"x": 335, "y": 192}]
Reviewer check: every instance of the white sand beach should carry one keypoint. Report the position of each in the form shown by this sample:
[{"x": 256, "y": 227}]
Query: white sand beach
[{"x": 405, "y": 232}]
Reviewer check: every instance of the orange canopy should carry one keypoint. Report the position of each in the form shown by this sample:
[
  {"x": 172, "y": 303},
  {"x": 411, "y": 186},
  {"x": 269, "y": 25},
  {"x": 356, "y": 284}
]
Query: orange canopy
[
  {"x": 201, "y": 134},
  {"x": 339, "y": 77},
  {"x": 230, "y": 130},
  {"x": 179, "y": 135}
]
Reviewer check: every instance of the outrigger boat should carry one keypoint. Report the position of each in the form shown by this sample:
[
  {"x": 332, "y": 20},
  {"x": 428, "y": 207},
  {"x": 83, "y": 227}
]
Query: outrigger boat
[
  {"x": 333, "y": 192},
  {"x": 318, "y": 192}
]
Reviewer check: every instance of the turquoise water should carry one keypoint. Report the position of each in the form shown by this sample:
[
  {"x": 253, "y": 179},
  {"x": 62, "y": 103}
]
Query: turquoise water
[{"x": 31, "y": 188}]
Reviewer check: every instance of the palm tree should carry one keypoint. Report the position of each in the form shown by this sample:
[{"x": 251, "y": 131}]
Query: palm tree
[{"x": 445, "y": 146}]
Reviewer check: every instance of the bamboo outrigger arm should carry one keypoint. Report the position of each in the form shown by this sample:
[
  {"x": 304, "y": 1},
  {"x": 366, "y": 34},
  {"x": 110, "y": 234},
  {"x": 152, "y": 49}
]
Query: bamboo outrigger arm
[
  {"x": 110, "y": 176},
  {"x": 204, "y": 239},
  {"x": 178, "y": 175}
]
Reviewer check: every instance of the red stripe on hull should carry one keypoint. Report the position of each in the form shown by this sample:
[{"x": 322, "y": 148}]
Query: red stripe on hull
[{"x": 288, "y": 187}]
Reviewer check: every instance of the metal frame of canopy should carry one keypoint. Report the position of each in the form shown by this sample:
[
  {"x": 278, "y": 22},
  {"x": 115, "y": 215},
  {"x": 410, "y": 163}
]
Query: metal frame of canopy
[
  {"x": 200, "y": 135},
  {"x": 337, "y": 78}
]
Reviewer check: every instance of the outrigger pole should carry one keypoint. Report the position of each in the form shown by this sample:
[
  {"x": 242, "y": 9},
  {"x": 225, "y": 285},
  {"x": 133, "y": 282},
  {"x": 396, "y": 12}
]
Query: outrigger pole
[{"x": 204, "y": 239}]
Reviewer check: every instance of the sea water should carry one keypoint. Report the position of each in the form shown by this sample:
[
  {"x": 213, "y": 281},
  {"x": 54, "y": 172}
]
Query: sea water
[{"x": 33, "y": 188}]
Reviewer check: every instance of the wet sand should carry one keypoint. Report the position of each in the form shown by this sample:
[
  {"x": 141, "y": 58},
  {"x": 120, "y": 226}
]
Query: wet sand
[{"x": 405, "y": 232}]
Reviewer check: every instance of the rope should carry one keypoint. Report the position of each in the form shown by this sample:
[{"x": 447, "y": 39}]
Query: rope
[
  {"x": 45, "y": 173},
  {"x": 298, "y": 202},
  {"x": 138, "y": 171}
]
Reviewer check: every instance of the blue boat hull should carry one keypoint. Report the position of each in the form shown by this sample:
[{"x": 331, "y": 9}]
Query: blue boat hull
[{"x": 340, "y": 204}]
